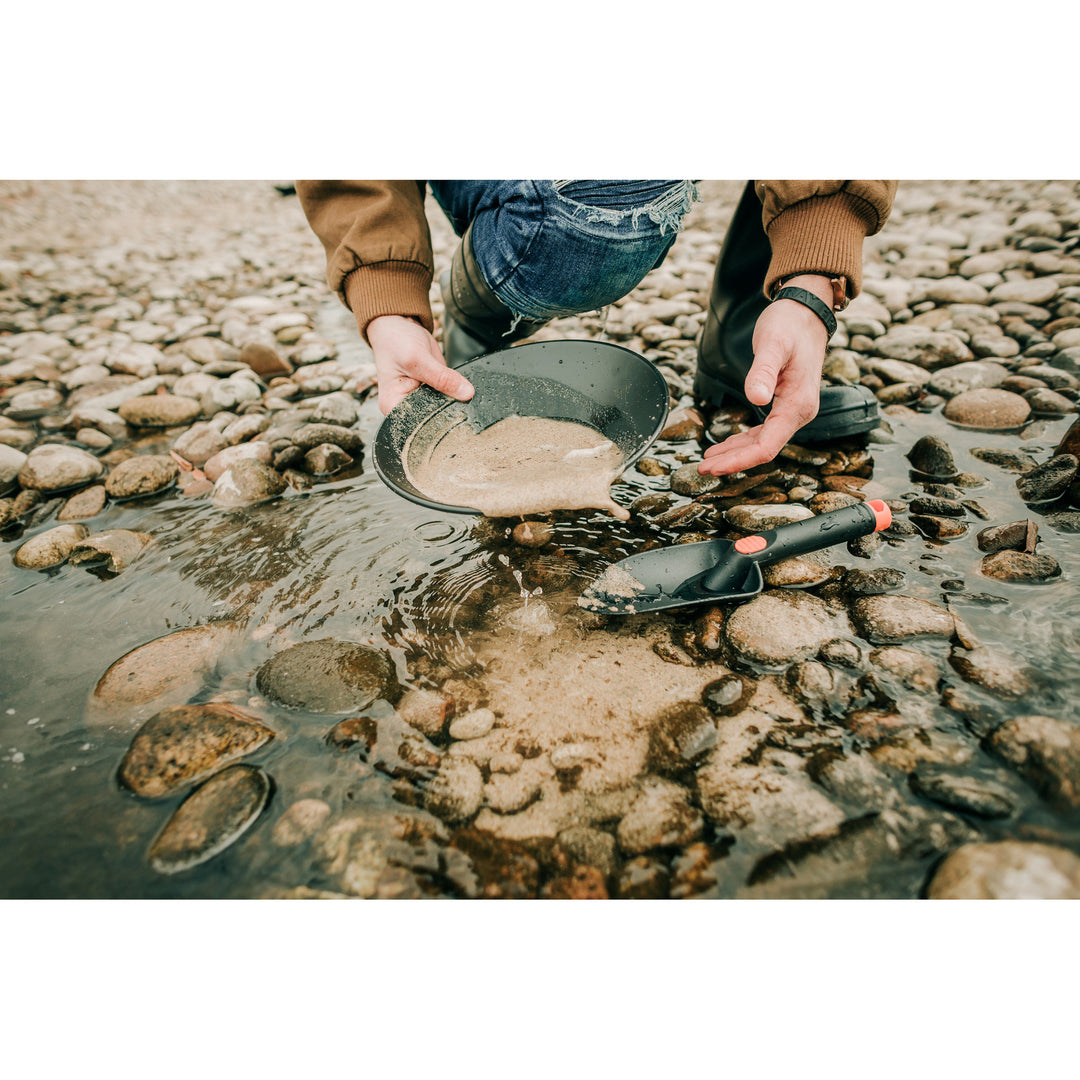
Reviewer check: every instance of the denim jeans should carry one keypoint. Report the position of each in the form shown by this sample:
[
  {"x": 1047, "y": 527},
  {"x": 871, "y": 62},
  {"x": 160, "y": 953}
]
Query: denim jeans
[{"x": 551, "y": 248}]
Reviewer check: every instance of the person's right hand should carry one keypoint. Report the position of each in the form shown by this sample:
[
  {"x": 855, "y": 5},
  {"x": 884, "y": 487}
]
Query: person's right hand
[{"x": 406, "y": 355}]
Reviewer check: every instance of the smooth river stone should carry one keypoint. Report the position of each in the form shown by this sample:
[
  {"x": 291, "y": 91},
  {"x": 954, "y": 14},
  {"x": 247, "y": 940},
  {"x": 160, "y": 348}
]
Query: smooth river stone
[
  {"x": 248, "y": 481},
  {"x": 1007, "y": 870},
  {"x": 53, "y": 467},
  {"x": 778, "y": 627},
  {"x": 932, "y": 456},
  {"x": 215, "y": 466},
  {"x": 11, "y": 462},
  {"x": 119, "y": 547},
  {"x": 1046, "y": 750},
  {"x": 661, "y": 816},
  {"x": 328, "y": 676},
  {"x": 167, "y": 671},
  {"x": 49, "y": 548},
  {"x": 144, "y": 474},
  {"x": 200, "y": 443},
  {"x": 886, "y": 620},
  {"x": 974, "y": 375},
  {"x": 1019, "y": 566},
  {"x": 988, "y": 410},
  {"x": 211, "y": 818},
  {"x": 159, "y": 410},
  {"x": 183, "y": 744}
]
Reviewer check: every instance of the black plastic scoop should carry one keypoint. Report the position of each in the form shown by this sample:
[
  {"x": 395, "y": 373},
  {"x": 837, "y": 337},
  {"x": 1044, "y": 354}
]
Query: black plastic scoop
[
  {"x": 718, "y": 571},
  {"x": 608, "y": 388}
]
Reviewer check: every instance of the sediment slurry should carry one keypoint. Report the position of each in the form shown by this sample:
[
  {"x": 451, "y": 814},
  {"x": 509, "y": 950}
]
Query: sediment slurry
[{"x": 235, "y": 664}]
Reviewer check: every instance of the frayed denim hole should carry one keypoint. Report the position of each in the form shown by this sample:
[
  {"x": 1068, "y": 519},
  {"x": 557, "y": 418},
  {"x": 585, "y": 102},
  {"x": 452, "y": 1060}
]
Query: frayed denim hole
[{"x": 666, "y": 210}]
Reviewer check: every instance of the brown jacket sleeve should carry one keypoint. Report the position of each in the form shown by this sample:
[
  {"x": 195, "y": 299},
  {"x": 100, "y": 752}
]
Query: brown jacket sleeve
[
  {"x": 818, "y": 226},
  {"x": 378, "y": 246}
]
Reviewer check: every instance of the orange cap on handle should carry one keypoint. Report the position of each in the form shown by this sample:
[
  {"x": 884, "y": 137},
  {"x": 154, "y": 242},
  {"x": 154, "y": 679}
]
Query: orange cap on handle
[{"x": 882, "y": 514}]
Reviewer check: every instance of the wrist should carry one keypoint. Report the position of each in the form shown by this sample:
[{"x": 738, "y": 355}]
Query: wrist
[
  {"x": 819, "y": 284},
  {"x": 382, "y": 324}
]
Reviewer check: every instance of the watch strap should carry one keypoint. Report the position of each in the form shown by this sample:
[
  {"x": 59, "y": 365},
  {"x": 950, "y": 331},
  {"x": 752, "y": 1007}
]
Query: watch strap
[{"x": 814, "y": 303}]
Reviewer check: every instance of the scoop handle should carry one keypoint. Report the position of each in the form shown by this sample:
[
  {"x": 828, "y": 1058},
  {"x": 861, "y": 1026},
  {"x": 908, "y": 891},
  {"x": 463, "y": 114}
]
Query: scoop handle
[{"x": 813, "y": 534}]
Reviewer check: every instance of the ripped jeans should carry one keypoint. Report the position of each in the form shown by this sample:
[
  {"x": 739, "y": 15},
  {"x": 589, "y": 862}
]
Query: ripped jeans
[{"x": 548, "y": 248}]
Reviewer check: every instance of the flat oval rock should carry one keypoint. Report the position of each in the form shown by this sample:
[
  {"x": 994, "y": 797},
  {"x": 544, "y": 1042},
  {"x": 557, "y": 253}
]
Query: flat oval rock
[
  {"x": 118, "y": 547},
  {"x": 328, "y": 676},
  {"x": 778, "y": 627},
  {"x": 248, "y": 481},
  {"x": 211, "y": 818},
  {"x": 1019, "y": 566},
  {"x": 988, "y": 410},
  {"x": 890, "y": 619},
  {"x": 183, "y": 744},
  {"x": 50, "y": 548},
  {"x": 53, "y": 467},
  {"x": 159, "y": 410},
  {"x": 166, "y": 671},
  {"x": 968, "y": 794},
  {"x": 759, "y": 518},
  {"x": 144, "y": 474}
]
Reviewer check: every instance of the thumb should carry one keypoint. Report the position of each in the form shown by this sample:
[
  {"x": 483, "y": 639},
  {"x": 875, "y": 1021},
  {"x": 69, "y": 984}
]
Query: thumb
[
  {"x": 432, "y": 370},
  {"x": 761, "y": 378}
]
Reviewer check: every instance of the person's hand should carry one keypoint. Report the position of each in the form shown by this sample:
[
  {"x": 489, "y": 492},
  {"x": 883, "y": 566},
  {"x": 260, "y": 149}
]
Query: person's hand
[
  {"x": 406, "y": 355},
  {"x": 789, "y": 352}
]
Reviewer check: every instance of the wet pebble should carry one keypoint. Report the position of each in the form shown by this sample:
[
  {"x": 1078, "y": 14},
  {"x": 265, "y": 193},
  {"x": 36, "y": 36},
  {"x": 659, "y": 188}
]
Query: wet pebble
[
  {"x": 686, "y": 480},
  {"x": 144, "y": 474},
  {"x": 301, "y": 820},
  {"x": 975, "y": 375},
  {"x": 777, "y": 627},
  {"x": 1015, "y": 536},
  {"x": 679, "y": 738},
  {"x": 1048, "y": 481},
  {"x": 118, "y": 548},
  {"x": 994, "y": 670},
  {"x": 759, "y": 518},
  {"x": 590, "y": 847},
  {"x": 52, "y": 467},
  {"x": 876, "y": 582},
  {"x": 50, "y": 548},
  {"x": 1019, "y": 566},
  {"x": 472, "y": 725},
  {"x": 1046, "y": 751},
  {"x": 1049, "y": 403},
  {"x": 326, "y": 459},
  {"x": 183, "y": 744},
  {"x": 932, "y": 456},
  {"x": 644, "y": 878},
  {"x": 308, "y": 436},
  {"x": 938, "y": 528},
  {"x": 683, "y": 425},
  {"x": 988, "y": 410},
  {"x": 662, "y": 815},
  {"x": 199, "y": 444},
  {"x": 1007, "y": 870},
  {"x": 328, "y": 676},
  {"x": 729, "y": 695},
  {"x": 11, "y": 461},
  {"x": 510, "y": 793},
  {"x": 248, "y": 481},
  {"x": 892, "y": 619},
  {"x": 958, "y": 791},
  {"x": 264, "y": 360},
  {"x": 914, "y": 669},
  {"x": 532, "y": 534},
  {"x": 456, "y": 792},
  {"x": 159, "y": 410},
  {"x": 224, "y": 459},
  {"x": 211, "y": 819}
]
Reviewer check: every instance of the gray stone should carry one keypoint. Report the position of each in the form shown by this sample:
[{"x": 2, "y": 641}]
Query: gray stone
[
  {"x": 661, "y": 816},
  {"x": 11, "y": 462},
  {"x": 988, "y": 410},
  {"x": 892, "y": 619},
  {"x": 328, "y": 676},
  {"x": 456, "y": 792},
  {"x": 778, "y": 627},
  {"x": 686, "y": 480},
  {"x": 975, "y": 375},
  {"x": 247, "y": 482},
  {"x": 200, "y": 443}
]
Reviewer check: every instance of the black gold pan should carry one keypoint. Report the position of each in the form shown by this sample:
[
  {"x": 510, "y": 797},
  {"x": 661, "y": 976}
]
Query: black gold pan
[
  {"x": 721, "y": 571},
  {"x": 603, "y": 386}
]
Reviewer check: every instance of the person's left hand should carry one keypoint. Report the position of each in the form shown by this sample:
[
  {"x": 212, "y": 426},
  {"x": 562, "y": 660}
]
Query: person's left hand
[{"x": 789, "y": 352}]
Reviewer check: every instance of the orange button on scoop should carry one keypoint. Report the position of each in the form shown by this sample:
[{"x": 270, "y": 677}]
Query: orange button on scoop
[{"x": 747, "y": 545}]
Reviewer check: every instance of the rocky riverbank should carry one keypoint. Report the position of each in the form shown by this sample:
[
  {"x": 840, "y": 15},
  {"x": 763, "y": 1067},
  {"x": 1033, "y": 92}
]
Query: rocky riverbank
[{"x": 183, "y": 422}]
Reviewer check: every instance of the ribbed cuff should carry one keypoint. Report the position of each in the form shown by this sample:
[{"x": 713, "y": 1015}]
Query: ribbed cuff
[
  {"x": 389, "y": 288},
  {"x": 821, "y": 235}
]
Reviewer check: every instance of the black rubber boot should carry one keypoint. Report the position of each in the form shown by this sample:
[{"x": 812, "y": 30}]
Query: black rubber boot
[
  {"x": 726, "y": 352},
  {"x": 475, "y": 320}
]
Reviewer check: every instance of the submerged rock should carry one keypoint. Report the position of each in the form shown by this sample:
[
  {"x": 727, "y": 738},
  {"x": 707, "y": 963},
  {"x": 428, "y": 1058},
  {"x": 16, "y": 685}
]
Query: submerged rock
[
  {"x": 661, "y": 816},
  {"x": 729, "y": 695},
  {"x": 248, "y": 481},
  {"x": 456, "y": 792},
  {"x": 211, "y": 819},
  {"x": 182, "y": 744},
  {"x": 891, "y": 619},
  {"x": 1046, "y": 751},
  {"x": 166, "y": 671},
  {"x": 1007, "y": 870},
  {"x": 1048, "y": 481},
  {"x": 87, "y": 503},
  {"x": 932, "y": 457},
  {"x": 968, "y": 794},
  {"x": 1016, "y": 536},
  {"x": 777, "y": 627},
  {"x": 328, "y": 676},
  {"x": 119, "y": 548},
  {"x": 302, "y": 820},
  {"x": 680, "y": 738},
  {"x": 1019, "y": 566}
]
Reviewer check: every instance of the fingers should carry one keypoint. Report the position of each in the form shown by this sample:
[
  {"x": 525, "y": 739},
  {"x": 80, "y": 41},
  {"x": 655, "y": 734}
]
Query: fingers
[
  {"x": 393, "y": 389},
  {"x": 434, "y": 373},
  {"x": 769, "y": 360}
]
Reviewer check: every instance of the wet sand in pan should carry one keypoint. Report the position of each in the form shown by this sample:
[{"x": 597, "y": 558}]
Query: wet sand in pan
[{"x": 521, "y": 465}]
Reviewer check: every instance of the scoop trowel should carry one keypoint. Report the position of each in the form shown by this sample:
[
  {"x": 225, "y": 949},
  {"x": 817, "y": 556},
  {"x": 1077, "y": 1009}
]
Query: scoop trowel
[{"x": 722, "y": 571}]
